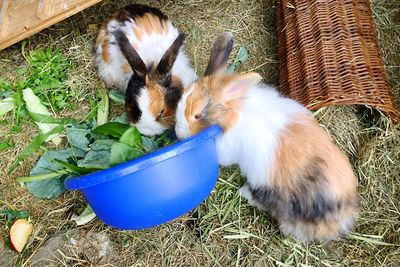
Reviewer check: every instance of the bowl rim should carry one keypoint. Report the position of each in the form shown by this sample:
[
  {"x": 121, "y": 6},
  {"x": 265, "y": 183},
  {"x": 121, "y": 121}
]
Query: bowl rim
[{"x": 142, "y": 162}]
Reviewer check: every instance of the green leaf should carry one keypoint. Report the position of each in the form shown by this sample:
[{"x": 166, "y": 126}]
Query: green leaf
[
  {"x": 6, "y": 105},
  {"x": 49, "y": 188},
  {"x": 5, "y": 86},
  {"x": 5, "y": 94},
  {"x": 115, "y": 129},
  {"x": 78, "y": 137},
  {"x": 6, "y": 144},
  {"x": 123, "y": 118},
  {"x": 16, "y": 129},
  {"x": 46, "y": 162},
  {"x": 86, "y": 216},
  {"x": 155, "y": 142},
  {"x": 33, "y": 104},
  {"x": 49, "y": 119},
  {"x": 149, "y": 144},
  {"x": 117, "y": 96},
  {"x": 102, "y": 108},
  {"x": 240, "y": 59},
  {"x": 33, "y": 146},
  {"x": 21, "y": 70},
  {"x": 122, "y": 153},
  {"x": 73, "y": 168},
  {"x": 98, "y": 156},
  {"x": 131, "y": 137},
  {"x": 47, "y": 177},
  {"x": 41, "y": 177},
  {"x": 165, "y": 139}
]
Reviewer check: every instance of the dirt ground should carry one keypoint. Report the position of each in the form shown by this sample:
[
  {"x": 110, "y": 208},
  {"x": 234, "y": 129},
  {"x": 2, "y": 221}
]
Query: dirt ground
[{"x": 224, "y": 230}]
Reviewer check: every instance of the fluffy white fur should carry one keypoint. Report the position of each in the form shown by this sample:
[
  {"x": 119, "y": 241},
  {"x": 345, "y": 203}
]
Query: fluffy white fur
[
  {"x": 150, "y": 48},
  {"x": 255, "y": 134},
  {"x": 181, "y": 124},
  {"x": 147, "y": 124}
]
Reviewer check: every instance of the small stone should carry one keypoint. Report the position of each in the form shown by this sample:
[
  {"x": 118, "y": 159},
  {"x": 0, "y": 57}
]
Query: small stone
[{"x": 96, "y": 248}]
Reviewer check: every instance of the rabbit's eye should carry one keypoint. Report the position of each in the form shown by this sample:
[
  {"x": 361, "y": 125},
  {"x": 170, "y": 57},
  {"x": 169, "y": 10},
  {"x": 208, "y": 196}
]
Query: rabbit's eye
[{"x": 198, "y": 116}]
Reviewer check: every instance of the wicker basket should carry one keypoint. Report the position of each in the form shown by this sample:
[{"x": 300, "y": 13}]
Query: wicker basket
[{"x": 328, "y": 55}]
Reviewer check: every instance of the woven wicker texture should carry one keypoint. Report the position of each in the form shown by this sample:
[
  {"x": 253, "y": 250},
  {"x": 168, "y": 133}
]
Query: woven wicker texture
[{"x": 328, "y": 55}]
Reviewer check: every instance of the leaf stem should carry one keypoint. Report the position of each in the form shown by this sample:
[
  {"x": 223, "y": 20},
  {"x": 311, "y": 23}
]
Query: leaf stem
[{"x": 40, "y": 177}]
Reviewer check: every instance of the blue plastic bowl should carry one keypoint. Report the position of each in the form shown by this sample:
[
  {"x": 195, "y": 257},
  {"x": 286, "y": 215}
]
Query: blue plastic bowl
[{"x": 155, "y": 188}]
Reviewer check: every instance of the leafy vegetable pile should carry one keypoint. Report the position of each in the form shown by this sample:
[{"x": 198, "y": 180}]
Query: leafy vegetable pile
[{"x": 91, "y": 148}]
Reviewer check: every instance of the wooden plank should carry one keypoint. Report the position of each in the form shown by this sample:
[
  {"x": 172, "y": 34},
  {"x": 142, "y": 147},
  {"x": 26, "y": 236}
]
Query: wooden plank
[
  {"x": 5, "y": 6},
  {"x": 33, "y": 24},
  {"x": 43, "y": 11}
]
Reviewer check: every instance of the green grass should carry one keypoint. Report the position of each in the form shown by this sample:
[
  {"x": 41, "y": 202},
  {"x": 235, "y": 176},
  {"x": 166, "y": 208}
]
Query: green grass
[
  {"x": 46, "y": 72},
  {"x": 224, "y": 230}
]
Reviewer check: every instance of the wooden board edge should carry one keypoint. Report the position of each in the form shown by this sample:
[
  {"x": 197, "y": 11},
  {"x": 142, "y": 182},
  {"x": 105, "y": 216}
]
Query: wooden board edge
[{"x": 47, "y": 23}]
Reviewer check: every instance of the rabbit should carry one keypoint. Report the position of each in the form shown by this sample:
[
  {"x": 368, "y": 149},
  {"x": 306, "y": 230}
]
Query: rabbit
[
  {"x": 140, "y": 52},
  {"x": 293, "y": 169}
]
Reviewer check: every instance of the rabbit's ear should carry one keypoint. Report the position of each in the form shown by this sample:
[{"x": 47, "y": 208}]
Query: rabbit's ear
[
  {"x": 239, "y": 84},
  {"x": 219, "y": 53},
  {"x": 169, "y": 57},
  {"x": 131, "y": 55}
]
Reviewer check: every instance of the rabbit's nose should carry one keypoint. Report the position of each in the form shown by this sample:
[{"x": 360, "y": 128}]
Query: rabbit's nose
[{"x": 182, "y": 132}]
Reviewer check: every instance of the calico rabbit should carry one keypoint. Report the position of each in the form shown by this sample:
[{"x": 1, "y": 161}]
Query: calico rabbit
[
  {"x": 293, "y": 169},
  {"x": 139, "y": 51}
]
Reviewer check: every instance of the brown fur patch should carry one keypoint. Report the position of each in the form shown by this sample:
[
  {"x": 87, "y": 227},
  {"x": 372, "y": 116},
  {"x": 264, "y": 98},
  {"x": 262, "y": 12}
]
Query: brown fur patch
[
  {"x": 194, "y": 105},
  {"x": 138, "y": 32},
  {"x": 102, "y": 33},
  {"x": 126, "y": 68},
  {"x": 208, "y": 91},
  {"x": 105, "y": 54},
  {"x": 148, "y": 24},
  {"x": 304, "y": 145},
  {"x": 157, "y": 103},
  {"x": 156, "y": 97},
  {"x": 176, "y": 82},
  {"x": 102, "y": 39}
]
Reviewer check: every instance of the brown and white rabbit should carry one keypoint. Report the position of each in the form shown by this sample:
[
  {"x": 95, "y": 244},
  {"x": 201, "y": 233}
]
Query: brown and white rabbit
[
  {"x": 293, "y": 169},
  {"x": 139, "y": 51}
]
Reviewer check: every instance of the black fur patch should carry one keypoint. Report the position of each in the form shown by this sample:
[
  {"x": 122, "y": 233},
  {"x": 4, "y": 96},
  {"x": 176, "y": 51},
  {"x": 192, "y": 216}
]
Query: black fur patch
[
  {"x": 131, "y": 105},
  {"x": 173, "y": 92},
  {"x": 172, "y": 96},
  {"x": 138, "y": 10},
  {"x": 220, "y": 52},
  {"x": 298, "y": 207},
  {"x": 169, "y": 57},
  {"x": 131, "y": 55},
  {"x": 308, "y": 202}
]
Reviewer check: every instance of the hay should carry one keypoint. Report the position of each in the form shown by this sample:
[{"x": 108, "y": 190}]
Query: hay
[{"x": 224, "y": 230}]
